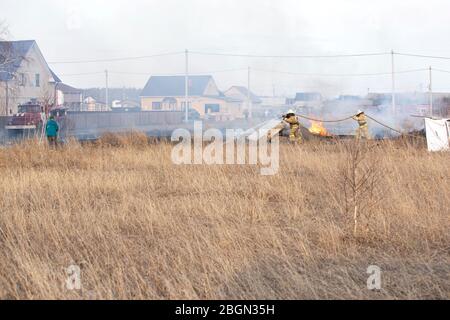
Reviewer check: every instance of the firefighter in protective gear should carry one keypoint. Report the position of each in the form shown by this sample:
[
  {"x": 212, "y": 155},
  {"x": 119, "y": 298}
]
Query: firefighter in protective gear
[
  {"x": 294, "y": 126},
  {"x": 363, "y": 128}
]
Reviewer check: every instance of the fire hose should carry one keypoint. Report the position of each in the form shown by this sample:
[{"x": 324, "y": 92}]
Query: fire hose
[
  {"x": 350, "y": 117},
  {"x": 318, "y": 120}
]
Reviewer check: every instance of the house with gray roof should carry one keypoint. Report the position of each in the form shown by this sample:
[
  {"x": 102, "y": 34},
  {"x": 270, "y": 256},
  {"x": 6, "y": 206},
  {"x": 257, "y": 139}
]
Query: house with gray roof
[
  {"x": 72, "y": 98},
  {"x": 168, "y": 93},
  {"x": 241, "y": 93},
  {"x": 24, "y": 75}
]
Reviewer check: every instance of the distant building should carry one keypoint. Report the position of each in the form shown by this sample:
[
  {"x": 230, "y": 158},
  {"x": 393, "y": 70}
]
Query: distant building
[
  {"x": 69, "y": 97},
  {"x": 308, "y": 99},
  {"x": 306, "y": 102},
  {"x": 414, "y": 103},
  {"x": 125, "y": 105},
  {"x": 90, "y": 104},
  {"x": 168, "y": 93},
  {"x": 273, "y": 102},
  {"x": 241, "y": 94}
]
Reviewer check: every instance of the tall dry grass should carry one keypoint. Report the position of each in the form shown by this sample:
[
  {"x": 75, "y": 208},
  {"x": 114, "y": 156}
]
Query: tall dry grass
[{"x": 141, "y": 227}]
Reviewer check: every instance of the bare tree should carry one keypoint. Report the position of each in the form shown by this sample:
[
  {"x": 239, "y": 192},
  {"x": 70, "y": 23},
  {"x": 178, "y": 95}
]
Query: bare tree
[
  {"x": 361, "y": 177},
  {"x": 6, "y": 54},
  {"x": 9, "y": 59},
  {"x": 4, "y": 31},
  {"x": 6, "y": 58}
]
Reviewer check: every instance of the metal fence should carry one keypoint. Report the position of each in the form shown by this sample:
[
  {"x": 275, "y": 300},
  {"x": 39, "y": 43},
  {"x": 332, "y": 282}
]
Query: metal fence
[
  {"x": 85, "y": 121},
  {"x": 3, "y": 121}
]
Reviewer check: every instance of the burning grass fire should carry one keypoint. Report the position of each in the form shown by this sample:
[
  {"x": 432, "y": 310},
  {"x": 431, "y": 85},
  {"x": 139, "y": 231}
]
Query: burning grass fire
[{"x": 317, "y": 128}]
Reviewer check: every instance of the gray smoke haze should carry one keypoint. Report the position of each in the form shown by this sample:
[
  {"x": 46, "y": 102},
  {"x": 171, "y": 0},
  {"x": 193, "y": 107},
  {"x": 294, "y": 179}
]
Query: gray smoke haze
[{"x": 96, "y": 29}]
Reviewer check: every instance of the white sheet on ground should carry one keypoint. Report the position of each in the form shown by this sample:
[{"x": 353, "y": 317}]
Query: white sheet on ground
[
  {"x": 262, "y": 130},
  {"x": 437, "y": 132}
]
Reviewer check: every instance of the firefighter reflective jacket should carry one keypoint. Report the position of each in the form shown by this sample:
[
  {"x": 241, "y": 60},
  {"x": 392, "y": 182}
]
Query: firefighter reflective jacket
[
  {"x": 292, "y": 120},
  {"x": 361, "y": 118}
]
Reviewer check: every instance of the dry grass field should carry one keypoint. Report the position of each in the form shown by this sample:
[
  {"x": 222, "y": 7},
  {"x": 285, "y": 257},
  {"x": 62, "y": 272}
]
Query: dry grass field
[{"x": 143, "y": 228}]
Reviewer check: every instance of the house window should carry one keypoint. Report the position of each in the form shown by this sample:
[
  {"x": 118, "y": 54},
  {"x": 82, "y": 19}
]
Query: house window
[
  {"x": 212, "y": 108},
  {"x": 156, "y": 105},
  {"x": 38, "y": 80},
  {"x": 22, "y": 80}
]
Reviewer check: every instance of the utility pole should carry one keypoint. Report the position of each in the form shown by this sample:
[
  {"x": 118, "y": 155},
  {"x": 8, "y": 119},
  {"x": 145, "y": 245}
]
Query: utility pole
[
  {"x": 431, "y": 94},
  {"x": 106, "y": 90},
  {"x": 249, "y": 100},
  {"x": 186, "y": 85},
  {"x": 393, "y": 82}
]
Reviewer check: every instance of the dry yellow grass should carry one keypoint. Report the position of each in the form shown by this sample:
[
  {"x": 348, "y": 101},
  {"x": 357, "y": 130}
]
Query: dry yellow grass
[{"x": 141, "y": 227}]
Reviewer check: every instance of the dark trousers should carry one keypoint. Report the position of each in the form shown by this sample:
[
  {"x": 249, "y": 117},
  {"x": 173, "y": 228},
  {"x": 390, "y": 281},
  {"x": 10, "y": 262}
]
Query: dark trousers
[{"x": 52, "y": 141}]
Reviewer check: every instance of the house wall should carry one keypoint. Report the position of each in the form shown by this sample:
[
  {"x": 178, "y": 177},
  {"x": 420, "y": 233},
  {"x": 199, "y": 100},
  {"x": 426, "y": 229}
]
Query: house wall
[
  {"x": 237, "y": 94},
  {"x": 71, "y": 100},
  {"x": 211, "y": 89},
  {"x": 233, "y": 110},
  {"x": 147, "y": 103},
  {"x": 73, "y": 97},
  {"x": 3, "y": 110}
]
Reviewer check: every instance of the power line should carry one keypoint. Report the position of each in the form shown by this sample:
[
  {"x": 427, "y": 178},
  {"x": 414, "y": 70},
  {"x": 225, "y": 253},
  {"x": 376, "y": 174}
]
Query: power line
[
  {"x": 81, "y": 74},
  {"x": 261, "y": 70},
  {"x": 421, "y": 56},
  {"x": 251, "y": 56},
  {"x": 340, "y": 75},
  {"x": 116, "y": 59},
  {"x": 180, "y": 73},
  {"x": 288, "y": 56},
  {"x": 441, "y": 70},
  {"x": 155, "y": 74}
]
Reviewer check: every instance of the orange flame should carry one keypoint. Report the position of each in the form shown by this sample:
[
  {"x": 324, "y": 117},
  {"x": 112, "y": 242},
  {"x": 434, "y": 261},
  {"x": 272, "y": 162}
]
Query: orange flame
[{"x": 318, "y": 128}]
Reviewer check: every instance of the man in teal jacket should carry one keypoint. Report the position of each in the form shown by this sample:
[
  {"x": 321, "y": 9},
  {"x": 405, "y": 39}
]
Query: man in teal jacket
[{"x": 51, "y": 129}]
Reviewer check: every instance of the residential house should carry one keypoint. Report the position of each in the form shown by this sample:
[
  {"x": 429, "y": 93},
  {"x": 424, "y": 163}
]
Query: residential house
[
  {"x": 308, "y": 99},
  {"x": 241, "y": 94},
  {"x": 69, "y": 97},
  {"x": 90, "y": 104},
  {"x": 306, "y": 102},
  {"x": 24, "y": 75},
  {"x": 168, "y": 93},
  {"x": 273, "y": 102}
]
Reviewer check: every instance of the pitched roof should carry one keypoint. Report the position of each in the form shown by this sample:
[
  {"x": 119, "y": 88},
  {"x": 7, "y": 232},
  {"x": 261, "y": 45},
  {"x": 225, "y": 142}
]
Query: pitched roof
[
  {"x": 173, "y": 86},
  {"x": 308, "y": 96},
  {"x": 13, "y": 53},
  {"x": 244, "y": 92},
  {"x": 55, "y": 77},
  {"x": 68, "y": 89}
]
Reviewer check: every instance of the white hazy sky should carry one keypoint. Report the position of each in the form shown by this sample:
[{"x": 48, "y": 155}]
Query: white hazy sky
[{"x": 100, "y": 29}]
